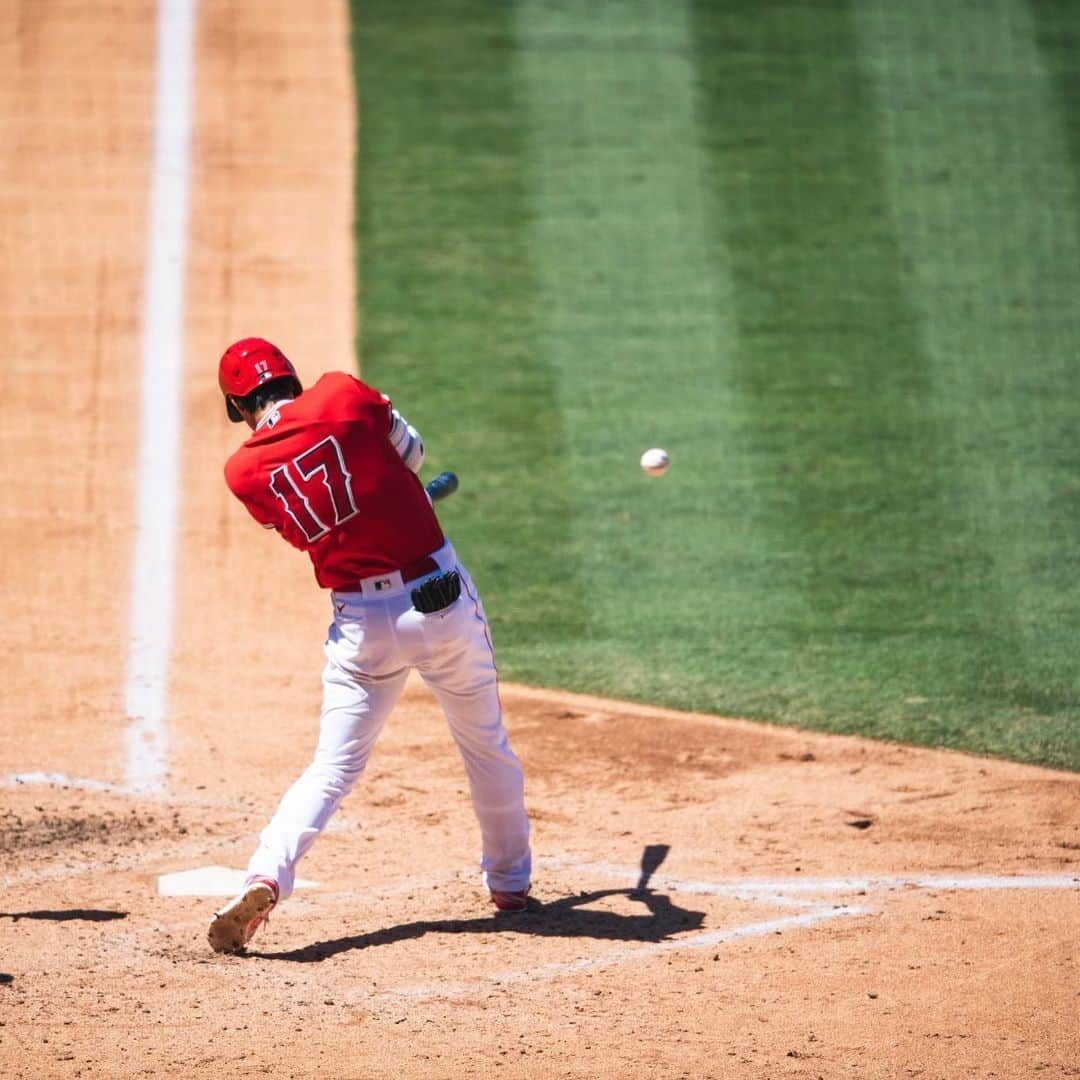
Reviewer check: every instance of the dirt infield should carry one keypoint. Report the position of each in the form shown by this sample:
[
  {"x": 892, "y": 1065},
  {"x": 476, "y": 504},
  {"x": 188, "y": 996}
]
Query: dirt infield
[{"x": 718, "y": 899}]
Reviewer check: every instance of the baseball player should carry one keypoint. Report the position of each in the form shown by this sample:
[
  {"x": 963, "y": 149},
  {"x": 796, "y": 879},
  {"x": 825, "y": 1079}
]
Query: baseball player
[{"x": 334, "y": 470}]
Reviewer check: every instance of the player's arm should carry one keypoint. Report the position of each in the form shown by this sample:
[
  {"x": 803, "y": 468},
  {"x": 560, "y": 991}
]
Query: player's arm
[
  {"x": 235, "y": 479},
  {"x": 406, "y": 440}
]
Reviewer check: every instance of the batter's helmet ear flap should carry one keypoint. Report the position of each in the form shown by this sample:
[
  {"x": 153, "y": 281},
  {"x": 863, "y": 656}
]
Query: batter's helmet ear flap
[{"x": 246, "y": 365}]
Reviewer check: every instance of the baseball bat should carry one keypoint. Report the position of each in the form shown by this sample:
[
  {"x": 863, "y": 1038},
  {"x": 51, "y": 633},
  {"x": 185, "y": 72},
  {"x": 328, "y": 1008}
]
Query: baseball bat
[{"x": 439, "y": 487}]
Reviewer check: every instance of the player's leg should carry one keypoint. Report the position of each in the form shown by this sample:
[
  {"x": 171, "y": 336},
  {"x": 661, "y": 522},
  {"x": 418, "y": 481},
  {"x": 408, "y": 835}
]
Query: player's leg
[
  {"x": 496, "y": 784},
  {"x": 354, "y": 711},
  {"x": 460, "y": 670}
]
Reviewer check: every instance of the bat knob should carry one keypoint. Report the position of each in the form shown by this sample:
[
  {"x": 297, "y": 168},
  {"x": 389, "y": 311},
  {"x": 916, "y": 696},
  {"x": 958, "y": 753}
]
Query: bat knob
[{"x": 446, "y": 483}]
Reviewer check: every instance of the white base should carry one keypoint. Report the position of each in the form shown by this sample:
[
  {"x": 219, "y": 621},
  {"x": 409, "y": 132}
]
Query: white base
[{"x": 210, "y": 881}]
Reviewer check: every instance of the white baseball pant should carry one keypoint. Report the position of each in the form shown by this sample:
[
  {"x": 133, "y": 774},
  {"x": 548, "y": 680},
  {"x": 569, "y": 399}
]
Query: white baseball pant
[{"x": 374, "y": 640}]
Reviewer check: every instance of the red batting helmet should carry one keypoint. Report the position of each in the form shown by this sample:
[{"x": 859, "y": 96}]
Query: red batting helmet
[{"x": 246, "y": 365}]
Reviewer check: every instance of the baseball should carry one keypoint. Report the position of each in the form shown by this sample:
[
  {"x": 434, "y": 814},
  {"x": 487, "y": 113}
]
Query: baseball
[{"x": 655, "y": 461}]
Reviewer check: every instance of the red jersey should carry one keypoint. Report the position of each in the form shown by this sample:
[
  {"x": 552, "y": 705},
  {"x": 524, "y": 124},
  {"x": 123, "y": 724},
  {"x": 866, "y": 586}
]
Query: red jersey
[{"x": 322, "y": 471}]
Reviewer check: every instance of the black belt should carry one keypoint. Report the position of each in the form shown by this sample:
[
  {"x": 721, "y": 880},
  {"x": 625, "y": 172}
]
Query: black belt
[{"x": 426, "y": 565}]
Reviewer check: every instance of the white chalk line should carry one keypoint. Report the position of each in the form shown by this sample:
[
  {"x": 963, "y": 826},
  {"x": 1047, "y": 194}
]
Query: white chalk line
[
  {"x": 152, "y": 589},
  {"x": 612, "y": 958},
  {"x": 764, "y": 891},
  {"x": 772, "y": 892},
  {"x": 44, "y": 779},
  {"x": 81, "y": 783},
  {"x": 769, "y": 889}
]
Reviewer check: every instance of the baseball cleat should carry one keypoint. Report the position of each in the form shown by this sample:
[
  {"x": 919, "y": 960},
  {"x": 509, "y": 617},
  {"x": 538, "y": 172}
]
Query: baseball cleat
[
  {"x": 235, "y": 924},
  {"x": 510, "y": 901}
]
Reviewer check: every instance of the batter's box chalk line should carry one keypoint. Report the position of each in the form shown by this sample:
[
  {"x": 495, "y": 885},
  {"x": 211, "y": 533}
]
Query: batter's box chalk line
[
  {"x": 816, "y": 897},
  {"x": 47, "y": 779},
  {"x": 802, "y": 889}
]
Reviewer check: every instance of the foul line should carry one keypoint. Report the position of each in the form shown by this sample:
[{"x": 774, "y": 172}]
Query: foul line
[{"x": 151, "y": 613}]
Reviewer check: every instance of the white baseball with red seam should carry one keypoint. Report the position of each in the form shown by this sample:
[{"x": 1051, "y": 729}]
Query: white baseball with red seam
[{"x": 655, "y": 461}]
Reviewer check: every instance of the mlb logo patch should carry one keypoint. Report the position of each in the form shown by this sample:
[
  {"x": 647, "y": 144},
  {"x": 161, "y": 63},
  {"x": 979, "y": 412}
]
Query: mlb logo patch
[{"x": 383, "y": 583}]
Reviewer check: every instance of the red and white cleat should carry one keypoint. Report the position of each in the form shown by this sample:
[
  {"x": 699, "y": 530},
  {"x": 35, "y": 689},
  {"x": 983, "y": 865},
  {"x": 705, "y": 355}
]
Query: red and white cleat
[
  {"x": 235, "y": 924},
  {"x": 510, "y": 901}
]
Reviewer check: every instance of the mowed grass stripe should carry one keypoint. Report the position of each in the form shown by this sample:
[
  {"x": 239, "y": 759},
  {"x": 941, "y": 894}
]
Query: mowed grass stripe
[
  {"x": 984, "y": 196},
  {"x": 846, "y": 595},
  {"x": 1057, "y": 34},
  {"x": 448, "y": 298},
  {"x": 634, "y": 319}
]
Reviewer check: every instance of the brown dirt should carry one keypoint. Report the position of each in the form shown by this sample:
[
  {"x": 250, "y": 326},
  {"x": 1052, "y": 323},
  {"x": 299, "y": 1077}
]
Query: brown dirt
[{"x": 811, "y": 911}]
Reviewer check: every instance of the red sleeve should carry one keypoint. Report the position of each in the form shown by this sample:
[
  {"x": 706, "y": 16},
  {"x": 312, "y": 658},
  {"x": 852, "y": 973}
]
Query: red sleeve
[
  {"x": 365, "y": 402},
  {"x": 237, "y": 476}
]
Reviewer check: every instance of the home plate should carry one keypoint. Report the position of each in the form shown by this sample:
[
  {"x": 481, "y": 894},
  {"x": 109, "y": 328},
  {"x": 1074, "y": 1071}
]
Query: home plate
[{"x": 211, "y": 881}]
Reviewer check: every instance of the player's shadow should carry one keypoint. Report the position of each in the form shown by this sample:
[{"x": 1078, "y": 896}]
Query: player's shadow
[
  {"x": 569, "y": 917},
  {"x": 72, "y": 914}
]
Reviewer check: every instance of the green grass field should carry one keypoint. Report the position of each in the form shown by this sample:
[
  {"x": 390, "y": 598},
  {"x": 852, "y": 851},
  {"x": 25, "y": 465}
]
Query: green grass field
[{"x": 828, "y": 256}]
